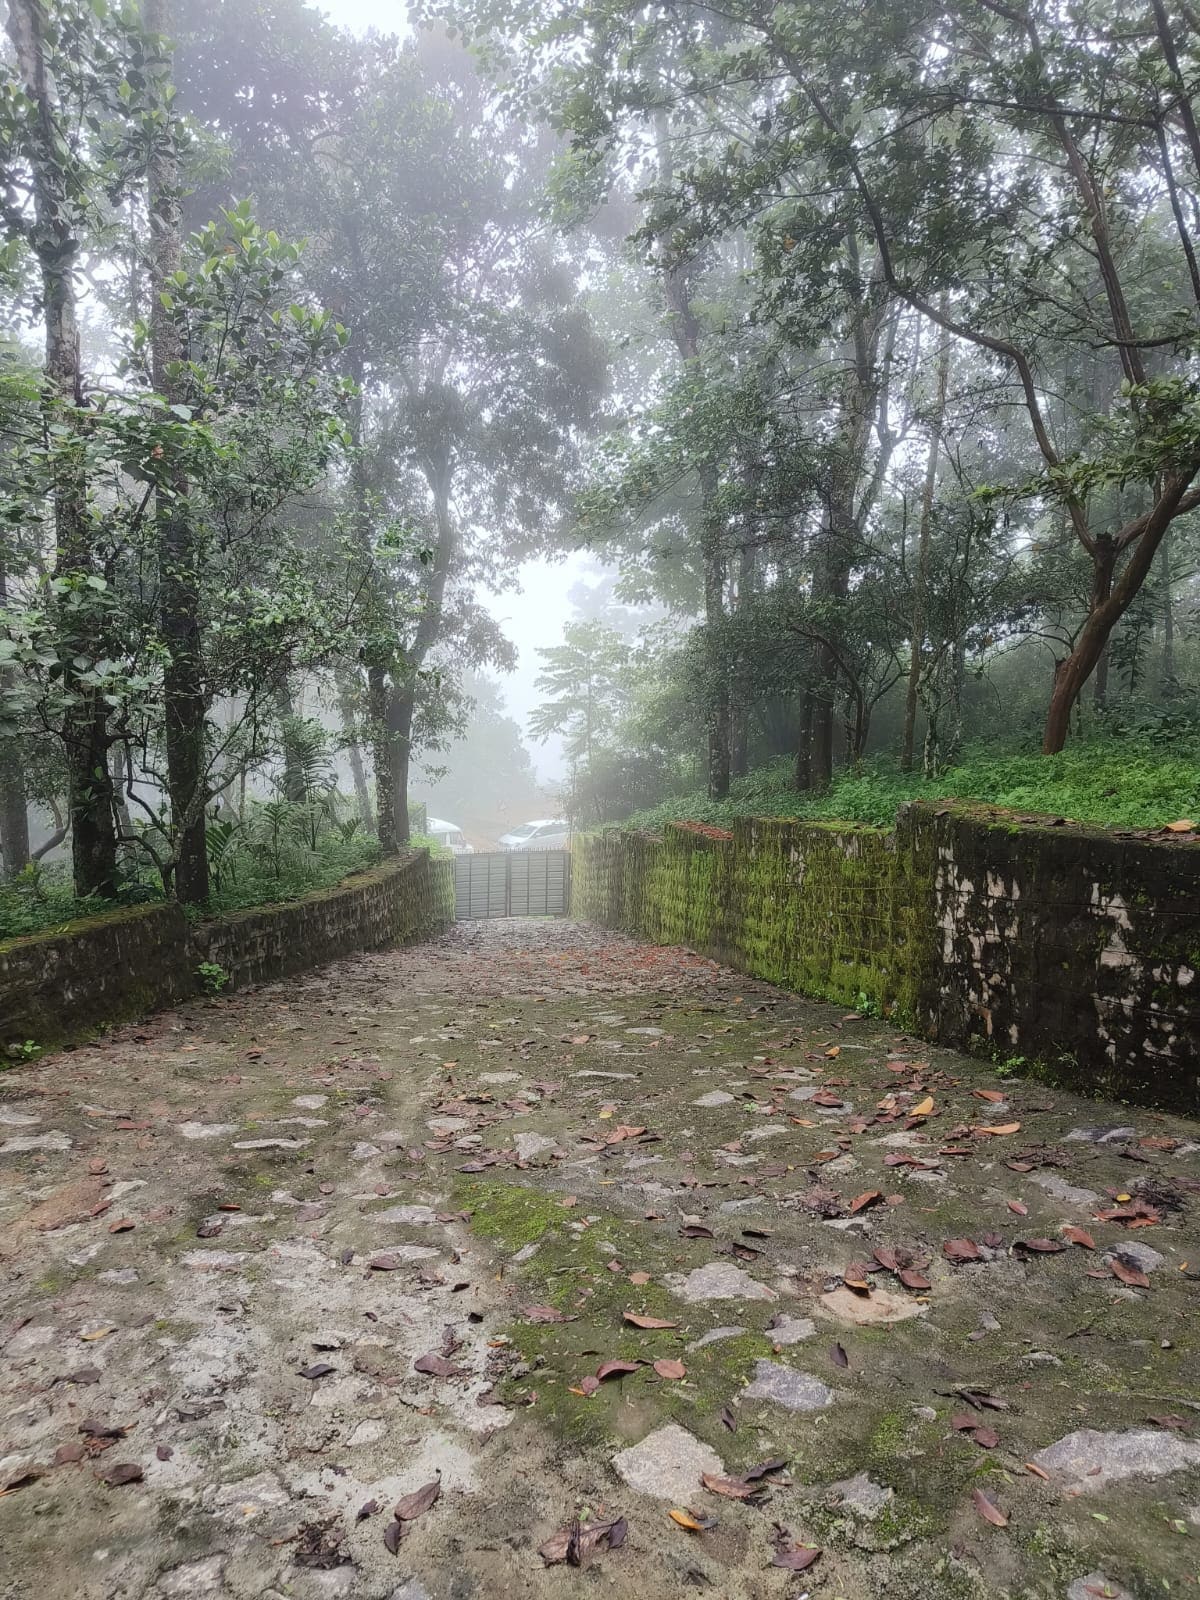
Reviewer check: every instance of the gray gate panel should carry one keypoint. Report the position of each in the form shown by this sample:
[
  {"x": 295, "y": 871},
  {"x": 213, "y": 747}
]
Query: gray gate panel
[{"x": 512, "y": 883}]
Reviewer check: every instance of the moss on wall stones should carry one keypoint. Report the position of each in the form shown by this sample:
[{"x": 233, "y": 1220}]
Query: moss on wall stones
[{"x": 1069, "y": 947}]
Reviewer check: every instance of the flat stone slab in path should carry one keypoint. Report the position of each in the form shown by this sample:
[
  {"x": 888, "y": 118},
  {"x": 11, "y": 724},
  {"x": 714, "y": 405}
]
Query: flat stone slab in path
[
  {"x": 720, "y": 1280},
  {"x": 668, "y": 1464},
  {"x": 795, "y": 1391},
  {"x": 1087, "y": 1461},
  {"x": 277, "y": 1261}
]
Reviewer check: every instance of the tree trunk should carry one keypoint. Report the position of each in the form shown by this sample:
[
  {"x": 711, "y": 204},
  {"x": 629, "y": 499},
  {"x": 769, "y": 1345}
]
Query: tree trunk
[
  {"x": 14, "y": 813},
  {"x": 178, "y": 555},
  {"x": 686, "y": 331},
  {"x": 804, "y": 742},
  {"x": 14, "y": 808},
  {"x": 1168, "y": 649},
  {"x": 295, "y": 789},
  {"x": 1100, "y": 682},
  {"x": 739, "y": 752},
  {"x": 401, "y": 707},
  {"x": 739, "y": 744},
  {"x": 383, "y": 759},
  {"x": 717, "y": 710},
  {"x": 920, "y": 611},
  {"x": 1072, "y": 673},
  {"x": 820, "y": 744},
  {"x": 85, "y": 722},
  {"x": 347, "y": 710}
]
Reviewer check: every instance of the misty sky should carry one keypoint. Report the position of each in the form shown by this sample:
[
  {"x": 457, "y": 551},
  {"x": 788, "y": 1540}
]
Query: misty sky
[{"x": 535, "y": 616}]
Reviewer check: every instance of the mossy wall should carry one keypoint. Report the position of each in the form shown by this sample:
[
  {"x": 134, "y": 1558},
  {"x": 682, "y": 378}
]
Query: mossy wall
[
  {"x": 1070, "y": 948},
  {"x": 62, "y": 985}
]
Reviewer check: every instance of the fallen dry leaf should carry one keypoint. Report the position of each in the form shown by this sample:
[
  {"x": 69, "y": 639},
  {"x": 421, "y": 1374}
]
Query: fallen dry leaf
[
  {"x": 545, "y": 1314},
  {"x": 435, "y": 1366},
  {"x": 616, "y": 1369},
  {"x": 638, "y": 1319},
  {"x": 999, "y": 1128},
  {"x": 414, "y": 1505},
  {"x": 1129, "y": 1273},
  {"x": 797, "y": 1559},
  {"x": 574, "y": 1543},
  {"x": 1079, "y": 1236},
  {"x": 685, "y": 1519},
  {"x": 988, "y": 1509},
  {"x": 962, "y": 1250},
  {"x": 731, "y": 1488},
  {"x": 670, "y": 1368}
]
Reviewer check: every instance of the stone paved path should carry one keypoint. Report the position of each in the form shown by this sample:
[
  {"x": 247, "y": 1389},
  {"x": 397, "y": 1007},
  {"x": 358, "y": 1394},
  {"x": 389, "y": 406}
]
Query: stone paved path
[{"x": 271, "y": 1263}]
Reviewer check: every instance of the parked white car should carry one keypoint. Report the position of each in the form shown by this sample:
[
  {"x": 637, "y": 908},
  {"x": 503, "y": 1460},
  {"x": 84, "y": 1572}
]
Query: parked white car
[
  {"x": 548, "y": 834},
  {"x": 450, "y": 835}
]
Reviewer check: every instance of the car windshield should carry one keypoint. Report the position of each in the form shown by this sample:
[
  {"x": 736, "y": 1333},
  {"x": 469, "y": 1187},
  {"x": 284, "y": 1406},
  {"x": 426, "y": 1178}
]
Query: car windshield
[{"x": 524, "y": 831}]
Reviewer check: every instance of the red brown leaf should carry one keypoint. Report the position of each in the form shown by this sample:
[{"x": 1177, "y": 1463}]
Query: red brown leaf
[
  {"x": 411, "y": 1506},
  {"x": 616, "y": 1369},
  {"x": 798, "y": 1559},
  {"x": 988, "y": 1509},
  {"x": 670, "y": 1369},
  {"x": 1129, "y": 1273}
]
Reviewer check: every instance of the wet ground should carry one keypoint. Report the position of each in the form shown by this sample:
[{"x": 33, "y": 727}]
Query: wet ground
[{"x": 886, "y": 1321}]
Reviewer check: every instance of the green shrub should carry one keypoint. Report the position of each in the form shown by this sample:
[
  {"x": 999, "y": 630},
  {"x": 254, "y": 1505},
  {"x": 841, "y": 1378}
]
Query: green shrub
[{"x": 279, "y": 850}]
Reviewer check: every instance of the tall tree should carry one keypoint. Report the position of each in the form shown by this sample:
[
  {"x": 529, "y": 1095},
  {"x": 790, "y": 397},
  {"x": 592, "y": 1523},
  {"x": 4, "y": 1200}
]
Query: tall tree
[
  {"x": 52, "y": 187},
  {"x": 178, "y": 547}
]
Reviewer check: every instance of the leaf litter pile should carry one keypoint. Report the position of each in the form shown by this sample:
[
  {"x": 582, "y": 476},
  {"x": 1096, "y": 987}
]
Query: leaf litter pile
[{"x": 584, "y": 1189}]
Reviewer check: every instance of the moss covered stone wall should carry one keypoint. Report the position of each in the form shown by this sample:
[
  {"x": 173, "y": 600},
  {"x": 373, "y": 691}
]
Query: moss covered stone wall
[
  {"x": 397, "y": 902},
  {"x": 1067, "y": 947},
  {"x": 62, "y": 985},
  {"x": 66, "y": 983}
]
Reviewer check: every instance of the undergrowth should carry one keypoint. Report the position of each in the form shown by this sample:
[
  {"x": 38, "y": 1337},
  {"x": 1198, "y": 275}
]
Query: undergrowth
[
  {"x": 1123, "y": 783},
  {"x": 43, "y": 896}
]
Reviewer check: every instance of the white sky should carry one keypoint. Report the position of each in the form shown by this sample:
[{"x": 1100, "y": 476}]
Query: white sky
[{"x": 535, "y": 616}]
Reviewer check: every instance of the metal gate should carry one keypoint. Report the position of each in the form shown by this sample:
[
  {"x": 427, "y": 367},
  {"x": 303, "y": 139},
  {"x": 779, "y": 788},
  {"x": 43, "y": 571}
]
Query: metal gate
[{"x": 512, "y": 883}]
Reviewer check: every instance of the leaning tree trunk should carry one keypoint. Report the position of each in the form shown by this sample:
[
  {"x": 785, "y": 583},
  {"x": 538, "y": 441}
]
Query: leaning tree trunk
[
  {"x": 80, "y": 628},
  {"x": 1111, "y": 599}
]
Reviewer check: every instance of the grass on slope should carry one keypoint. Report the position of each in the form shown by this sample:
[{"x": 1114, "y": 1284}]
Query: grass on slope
[{"x": 1116, "y": 783}]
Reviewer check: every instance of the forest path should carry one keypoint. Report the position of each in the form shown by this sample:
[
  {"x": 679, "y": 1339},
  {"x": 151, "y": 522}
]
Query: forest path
[{"x": 231, "y": 1237}]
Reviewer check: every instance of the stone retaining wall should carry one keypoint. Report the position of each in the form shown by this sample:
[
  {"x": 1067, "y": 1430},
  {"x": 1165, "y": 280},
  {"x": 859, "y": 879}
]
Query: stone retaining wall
[
  {"x": 61, "y": 985},
  {"x": 1072, "y": 949}
]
